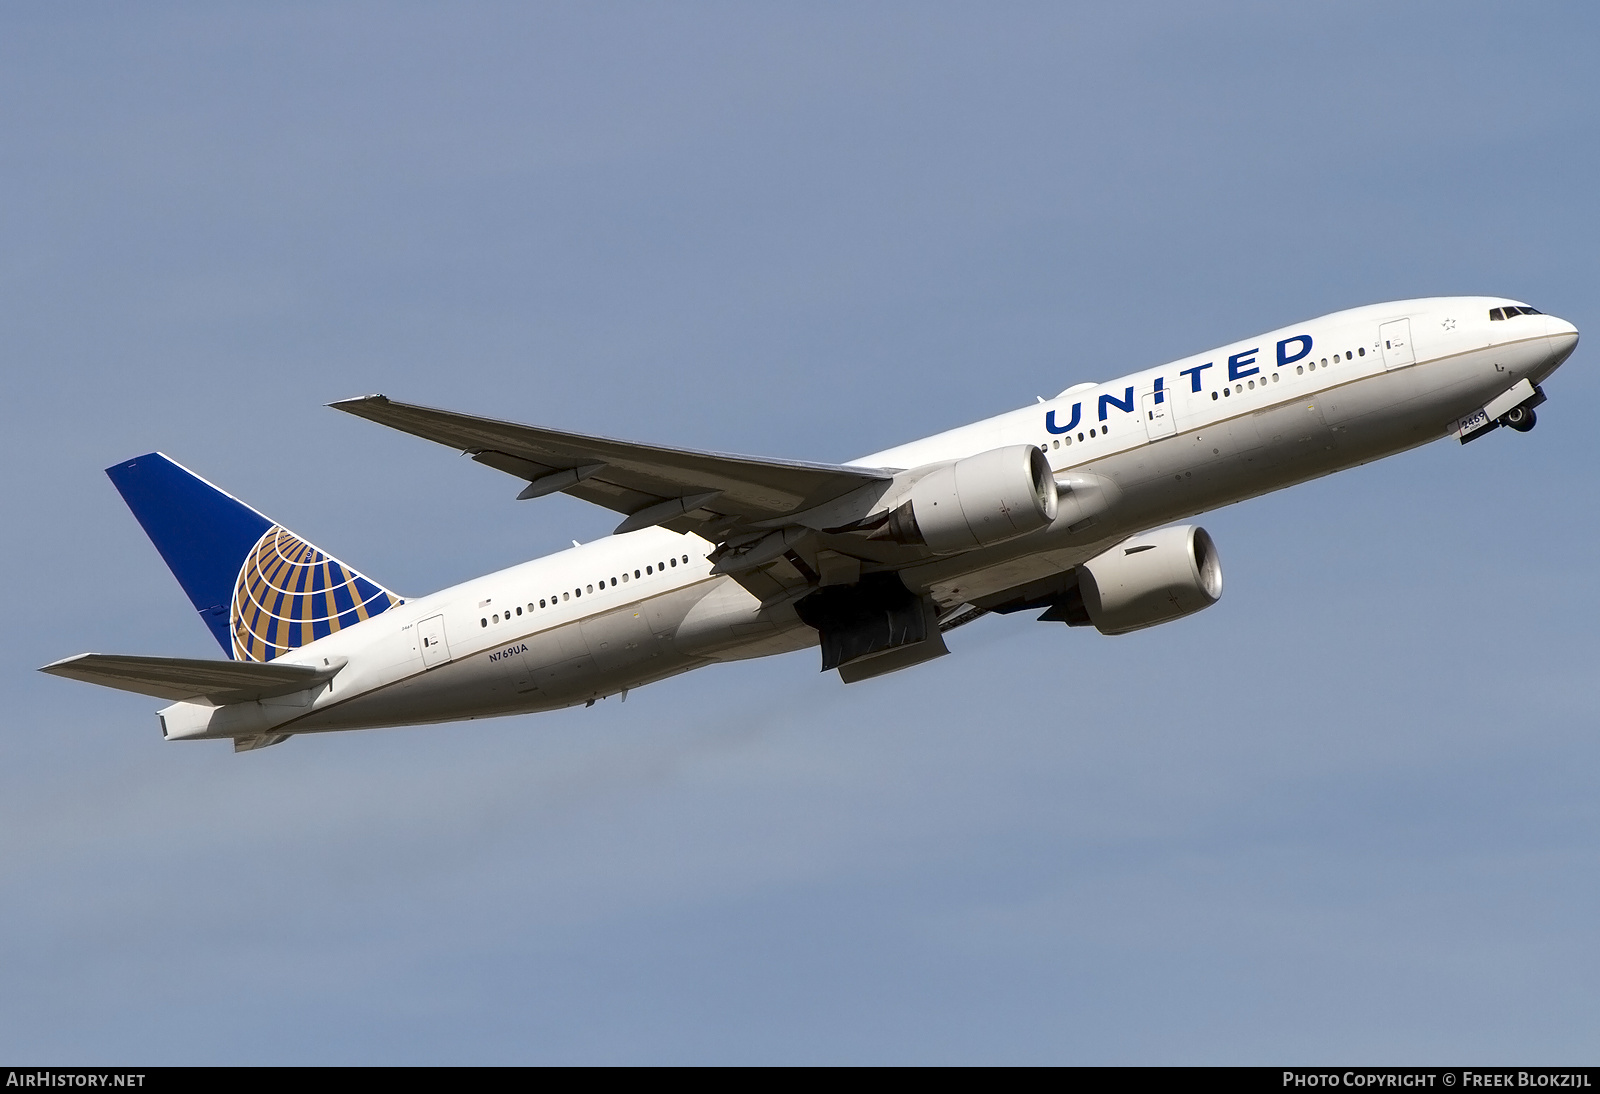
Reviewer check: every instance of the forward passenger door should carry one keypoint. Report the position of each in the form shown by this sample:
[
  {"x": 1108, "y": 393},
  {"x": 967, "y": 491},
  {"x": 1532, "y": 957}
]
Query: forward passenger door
[
  {"x": 1396, "y": 340},
  {"x": 1156, "y": 407}
]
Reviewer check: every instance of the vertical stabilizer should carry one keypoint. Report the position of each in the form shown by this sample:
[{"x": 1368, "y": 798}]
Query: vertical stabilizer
[{"x": 260, "y": 588}]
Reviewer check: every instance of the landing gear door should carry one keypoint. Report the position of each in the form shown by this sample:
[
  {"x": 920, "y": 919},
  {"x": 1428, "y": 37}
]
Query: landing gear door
[
  {"x": 1396, "y": 340},
  {"x": 430, "y": 636},
  {"x": 1156, "y": 410}
]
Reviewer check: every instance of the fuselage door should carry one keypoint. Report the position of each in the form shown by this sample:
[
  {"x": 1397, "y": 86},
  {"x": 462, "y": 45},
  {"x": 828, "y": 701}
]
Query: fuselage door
[
  {"x": 1157, "y": 413},
  {"x": 1396, "y": 339},
  {"x": 430, "y": 636}
]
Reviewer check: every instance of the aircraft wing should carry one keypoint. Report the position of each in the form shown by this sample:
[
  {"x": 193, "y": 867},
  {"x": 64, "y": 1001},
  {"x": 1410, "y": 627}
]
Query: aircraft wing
[
  {"x": 179, "y": 678},
  {"x": 709, "y": 493}
]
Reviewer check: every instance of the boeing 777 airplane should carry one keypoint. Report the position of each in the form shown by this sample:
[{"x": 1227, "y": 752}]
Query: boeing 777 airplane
[{"x": 1063, "y": 508}]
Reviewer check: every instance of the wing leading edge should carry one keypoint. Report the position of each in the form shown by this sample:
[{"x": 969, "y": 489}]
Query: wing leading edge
[{"x": 712, "y": 494}]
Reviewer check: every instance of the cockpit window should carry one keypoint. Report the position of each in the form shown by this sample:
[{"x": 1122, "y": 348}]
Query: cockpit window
[{"x": 1510, "y": 312}]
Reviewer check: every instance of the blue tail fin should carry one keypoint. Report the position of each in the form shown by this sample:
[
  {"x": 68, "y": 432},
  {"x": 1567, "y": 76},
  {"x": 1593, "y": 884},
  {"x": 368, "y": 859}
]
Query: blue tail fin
[{"x": 260, "y": 588}]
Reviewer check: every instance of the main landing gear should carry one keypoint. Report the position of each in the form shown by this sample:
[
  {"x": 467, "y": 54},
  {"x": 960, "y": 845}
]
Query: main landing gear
[{"x": 1520, "y": 418}]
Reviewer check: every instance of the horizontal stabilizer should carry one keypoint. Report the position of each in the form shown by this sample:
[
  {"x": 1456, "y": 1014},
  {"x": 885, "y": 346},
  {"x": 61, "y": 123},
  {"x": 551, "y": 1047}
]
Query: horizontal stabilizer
[{"x": 180, "y": 678}]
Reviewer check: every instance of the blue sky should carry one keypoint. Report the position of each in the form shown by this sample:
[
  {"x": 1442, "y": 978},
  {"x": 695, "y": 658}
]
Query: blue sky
[{"x": 1347, "y": 814}]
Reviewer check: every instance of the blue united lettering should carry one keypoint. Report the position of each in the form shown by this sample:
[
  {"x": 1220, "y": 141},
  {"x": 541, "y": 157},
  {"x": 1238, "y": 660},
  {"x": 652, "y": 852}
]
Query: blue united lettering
[
  {"x": 1125, "y": 403},
  {"x": 1287, "y": 358},
  {"x": 1050, "y": 420},
  {"x": 1194, "y": 374},
  {"x": 1237, "y": 363}
]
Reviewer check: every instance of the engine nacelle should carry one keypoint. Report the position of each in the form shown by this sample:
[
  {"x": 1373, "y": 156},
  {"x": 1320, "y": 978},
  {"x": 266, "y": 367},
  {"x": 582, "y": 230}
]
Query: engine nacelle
[
  {"x": 1149, "y": 579},
  {"x": 983, "y": 499}
]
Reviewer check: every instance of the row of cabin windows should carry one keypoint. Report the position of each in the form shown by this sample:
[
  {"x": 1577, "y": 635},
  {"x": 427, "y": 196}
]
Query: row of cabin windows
[
  {"x": 1509, "y": 312},
  {"x": 1299, "y": 370},
  {"x": 553, "y": 599},
  {"x": 1251, "y": 384},
  {"x": 1104, "y": 429}
]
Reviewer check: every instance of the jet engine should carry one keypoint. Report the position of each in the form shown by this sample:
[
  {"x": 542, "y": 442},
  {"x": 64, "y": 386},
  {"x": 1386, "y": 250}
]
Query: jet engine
[
  {"x": 983, "y": 499},
  {"x": 1144, "y": 580}
]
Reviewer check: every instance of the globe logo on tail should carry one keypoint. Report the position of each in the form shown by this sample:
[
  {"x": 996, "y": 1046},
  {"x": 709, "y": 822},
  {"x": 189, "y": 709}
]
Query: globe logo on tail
[{"x": 289, "y": 594}]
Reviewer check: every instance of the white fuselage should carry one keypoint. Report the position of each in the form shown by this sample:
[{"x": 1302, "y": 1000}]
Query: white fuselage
[{"x": 1169, "y": 442}]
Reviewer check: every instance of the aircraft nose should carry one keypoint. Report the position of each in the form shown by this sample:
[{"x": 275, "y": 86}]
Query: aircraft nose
[{"x": 1563, "y": 335}]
